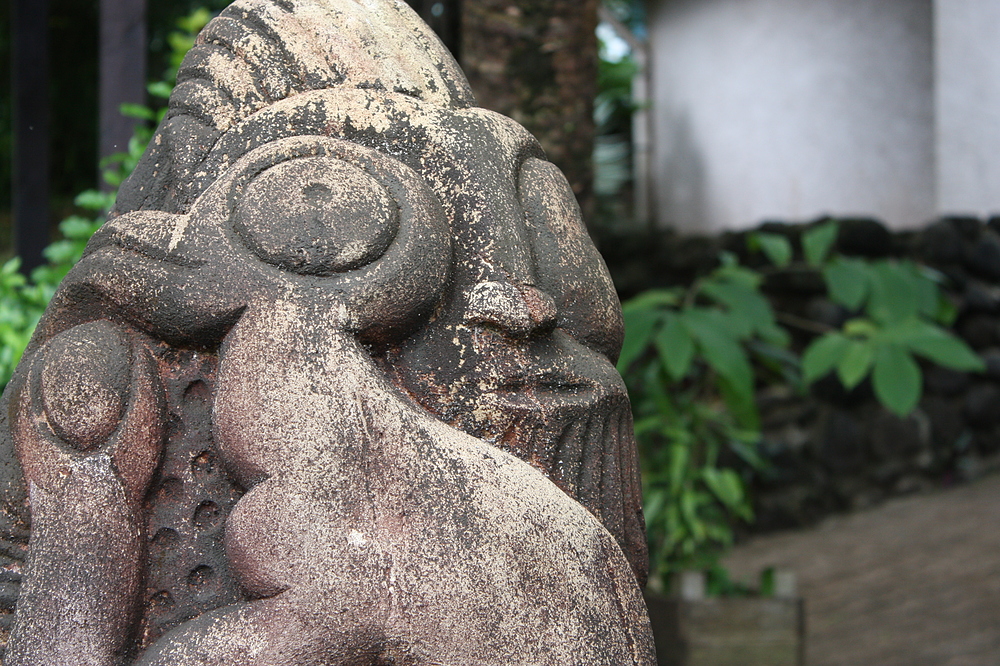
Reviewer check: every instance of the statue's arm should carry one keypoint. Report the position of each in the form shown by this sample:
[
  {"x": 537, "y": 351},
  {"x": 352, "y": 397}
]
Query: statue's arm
[
  {"x": 87, "y": 426},
  {"x": 82, "y": 438}
]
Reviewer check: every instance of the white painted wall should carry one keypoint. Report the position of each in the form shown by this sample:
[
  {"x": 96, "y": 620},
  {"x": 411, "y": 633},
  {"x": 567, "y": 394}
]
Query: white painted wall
[
  {"x": 790, "y": 109},
  {"x": 967, "y": 99}
]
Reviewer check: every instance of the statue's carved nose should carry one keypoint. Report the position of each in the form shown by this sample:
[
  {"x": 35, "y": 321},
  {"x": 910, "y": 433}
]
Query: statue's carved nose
[{"x": 518, "y": 310}]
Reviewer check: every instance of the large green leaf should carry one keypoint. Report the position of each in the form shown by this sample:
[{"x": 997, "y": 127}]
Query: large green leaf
[
  {"x": 938, "y": 345},
  {"x": 928, "y": 292},
  {"x": 726, "y": 486},
  {"x": 775, "y": 335},
  {"x": 822, "y": 355},
  {"x": 748, "y": 310},
  {"x": 740, "y": 403},
  {"x": 723, "y": 353},
  {"x": 733, "y": 272},
  {"x": 653, "y": 505},
  {"x": 896, "y": 379},
  {"x": 816, "y": 242},
  {"x": 856, "y": 362},
  {"x": 777, "y": 248},
  {"x": 679, "y": 456},
  {"x": 653, "y": 299},
  {"x": 639, "y": 327},
  {"x": 895, "y": 292},
  {"x": 847, "y": 282},
  {"x": 137, "y": 111},
  {"x": 675, "y": 348},
  {"x": 738, "y": 323}
]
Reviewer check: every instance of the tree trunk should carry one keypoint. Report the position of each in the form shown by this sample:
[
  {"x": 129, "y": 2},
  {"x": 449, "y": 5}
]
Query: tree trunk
[{"x": 536, "y": 61}]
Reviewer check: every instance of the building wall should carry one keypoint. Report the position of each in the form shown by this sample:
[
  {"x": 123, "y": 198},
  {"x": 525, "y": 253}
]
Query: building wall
[
  {"x": 967, "y": 105},
  {"x": 791, "y": 109}
]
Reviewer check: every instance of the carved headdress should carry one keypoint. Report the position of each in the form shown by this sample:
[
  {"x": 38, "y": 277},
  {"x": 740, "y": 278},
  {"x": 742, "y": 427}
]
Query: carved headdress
[{"x": 259, "y": 52}]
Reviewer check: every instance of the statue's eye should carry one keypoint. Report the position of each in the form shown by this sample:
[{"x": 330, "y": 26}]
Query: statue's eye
[{"x": 317, "y": 216}]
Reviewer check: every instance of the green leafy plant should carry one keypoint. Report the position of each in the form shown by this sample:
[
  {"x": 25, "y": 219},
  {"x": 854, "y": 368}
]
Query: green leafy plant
[
  {"x": 693, "y": 358},
  {"x": 900, "y": 315},
  {"x": 688, "y": 359},
  {"x": 23, "y": 299}
]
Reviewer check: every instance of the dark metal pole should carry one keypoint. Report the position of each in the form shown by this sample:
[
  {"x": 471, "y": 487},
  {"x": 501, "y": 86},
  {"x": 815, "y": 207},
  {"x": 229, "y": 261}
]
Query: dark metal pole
[
  {"x": 445, "y": 18},
  {"x": 30, "y": 64},
  {"x": 122, "y": 70}
]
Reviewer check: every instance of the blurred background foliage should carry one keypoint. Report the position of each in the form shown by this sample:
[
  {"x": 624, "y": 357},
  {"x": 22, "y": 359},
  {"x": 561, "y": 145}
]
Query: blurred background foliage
[
  {"x": 696, "y": 356},
  {"x": 73, "y": 29}
]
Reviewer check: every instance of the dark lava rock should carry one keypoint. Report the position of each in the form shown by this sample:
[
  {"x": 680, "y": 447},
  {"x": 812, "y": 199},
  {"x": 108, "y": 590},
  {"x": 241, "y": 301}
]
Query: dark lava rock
[
  {"x": 994, "y": 223},
  {"x": 894, "y": 438},
  {"x": 981, "y": 297},
  {"x": 842, "y": 446},
  {"x": 942, "y": 243},
  {"x": 824, "y": 311},
  {"x": 980, "y": 331},
  {"x": 947, "y": 422},
  {"x": 991, "y": 357},
  {"x": 829, "y": 389},
  {"x": 945, "y": 381},
  {"x": 982, "y": 405},
  {"x": 984, "y": 258},
  {"x": 967, "y": 225},
  {"x": 865, "y": 237},
  {"x": 987, "y": 441},
  {"x": 794, "y": 507}
]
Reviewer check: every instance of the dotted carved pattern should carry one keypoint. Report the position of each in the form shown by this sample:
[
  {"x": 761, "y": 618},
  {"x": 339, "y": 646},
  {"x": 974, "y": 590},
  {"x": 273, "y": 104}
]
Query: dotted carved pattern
[{"x": 187, "y": 572}]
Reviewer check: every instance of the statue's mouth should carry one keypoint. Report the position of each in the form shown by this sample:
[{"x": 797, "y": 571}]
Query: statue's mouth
[{"x": 546, "y": 382}]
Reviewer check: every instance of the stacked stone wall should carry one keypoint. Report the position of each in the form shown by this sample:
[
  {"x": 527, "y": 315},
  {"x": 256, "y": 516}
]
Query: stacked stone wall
[{"x": 832, "y": 450}]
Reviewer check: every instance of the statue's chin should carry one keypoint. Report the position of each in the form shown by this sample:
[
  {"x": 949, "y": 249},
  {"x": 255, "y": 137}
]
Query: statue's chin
[{"x": 552, "y": 402}]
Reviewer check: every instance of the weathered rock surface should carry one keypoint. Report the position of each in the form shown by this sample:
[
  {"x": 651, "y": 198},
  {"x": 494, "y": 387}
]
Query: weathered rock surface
[{"x": 334, "y": 385}]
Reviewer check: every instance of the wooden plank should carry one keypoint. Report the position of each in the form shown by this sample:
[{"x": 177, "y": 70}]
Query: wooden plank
[
  {"x": 728, "y": 631},
  {"x": 30, "y": 83}
]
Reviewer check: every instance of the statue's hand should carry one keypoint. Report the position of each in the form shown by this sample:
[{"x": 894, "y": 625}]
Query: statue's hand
[
  {"x": 172, "y": 276},
  {"x": 91, "y": 391}
]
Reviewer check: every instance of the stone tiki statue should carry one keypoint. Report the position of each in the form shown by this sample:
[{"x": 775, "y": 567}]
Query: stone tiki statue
[{"x": 333, "y": 386}]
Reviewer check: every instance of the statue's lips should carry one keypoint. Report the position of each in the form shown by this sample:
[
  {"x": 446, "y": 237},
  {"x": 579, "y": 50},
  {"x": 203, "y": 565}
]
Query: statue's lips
[
  {"x": 547, "y": 382},
  {"x": 549, "y": 393}
]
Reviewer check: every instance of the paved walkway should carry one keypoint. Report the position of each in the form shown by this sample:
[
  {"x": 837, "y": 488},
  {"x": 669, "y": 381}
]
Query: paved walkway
[{"x": 913, "y": 582}]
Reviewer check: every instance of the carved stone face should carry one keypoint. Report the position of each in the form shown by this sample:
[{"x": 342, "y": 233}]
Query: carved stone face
[
  {"x": 521, "y": 351},
  {"x": 526, "y": 276}
]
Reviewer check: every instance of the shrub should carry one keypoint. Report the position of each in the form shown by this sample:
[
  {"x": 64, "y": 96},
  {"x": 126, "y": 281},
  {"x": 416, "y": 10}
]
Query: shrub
[
  {"x": 23, "y": 299},
  {"x": 694, "y": 357}
]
